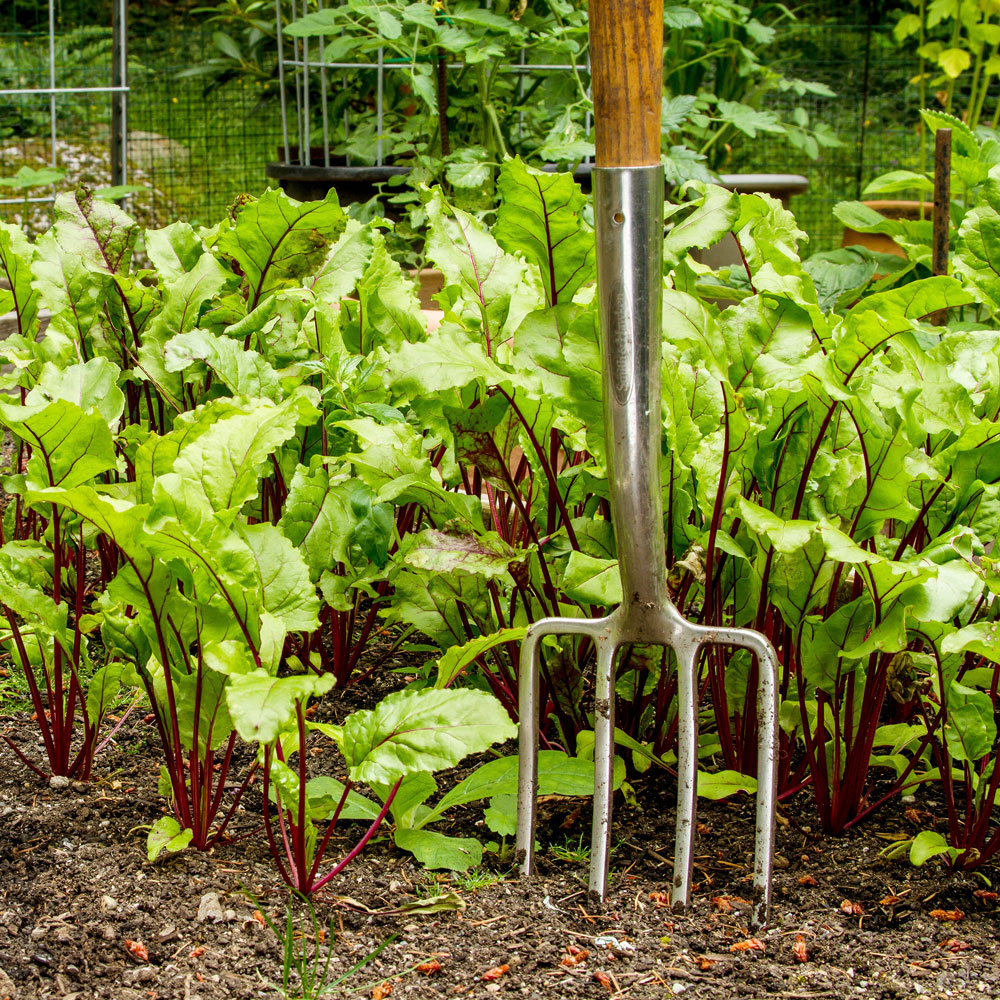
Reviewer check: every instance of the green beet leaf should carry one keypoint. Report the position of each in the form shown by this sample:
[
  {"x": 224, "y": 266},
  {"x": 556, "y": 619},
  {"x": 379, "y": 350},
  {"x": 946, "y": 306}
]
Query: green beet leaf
[
  {"x": 713, "y": 217},
  {"x": 455, "y": 660},
  {"x": 437, "y": 850},
  {"x": 592, "y": 580},
  {"x": 927, "y": 845},
  {"x": 174, "y": 250},
  {"x": 345, "y": 262},
  {"x": 434, "y": 602},
  {"x": 540, "y": 216},
  {"x": 69, "y": 445},
  {"x": 224, "y": 462},
  {"x": 166, "y": 835},
  {"x": 261, "y": 705},
  {"x": 289, "y": 594},
  {"x": 318, "y": 518},
  {"x": 558, "y": 774},
  {"x": 970, "y": 729},
  {"x": 93, "y": 386},
  {"x": 425, "y": 730},
  {"x": 471, "y": 258},
  {"x": 16, "y": 254},
  {"x": 278, "y": 241},
  {"x": 723, "y": 784},
  {"x": 244, "y": 373},
  {"x": 323, "y": 794}
]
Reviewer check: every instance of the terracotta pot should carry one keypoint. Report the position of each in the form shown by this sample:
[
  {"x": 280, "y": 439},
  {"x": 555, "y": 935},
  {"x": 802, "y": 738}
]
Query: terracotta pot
[
  {"x": 891, "y": 208},
  {"x": 430, "y": 281}
]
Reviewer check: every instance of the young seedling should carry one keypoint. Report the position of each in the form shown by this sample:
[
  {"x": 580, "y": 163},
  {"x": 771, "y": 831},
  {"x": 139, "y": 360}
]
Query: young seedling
[{"x": 307, "y": 949}]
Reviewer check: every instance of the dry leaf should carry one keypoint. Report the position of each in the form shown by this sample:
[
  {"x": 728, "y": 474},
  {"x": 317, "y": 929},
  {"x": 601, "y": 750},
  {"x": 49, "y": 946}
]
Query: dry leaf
[
  {"x": 808, "y": 880},
  {"x": 954, "y": 945},
  {"x": 985, "y": 895},
  {"x": 751, "y": 944},
  {"x": 799, "y": 949},
  {"x": 431, "y": 968},
  {"x": 722, "y": 904},
  {"x": 496, "y": 973},
  {"x": 950, "y": 916},
  {"x": 889, "y": 900},
  {"x": 137, "y": 950},
  {"x": 570, "y": 821}
]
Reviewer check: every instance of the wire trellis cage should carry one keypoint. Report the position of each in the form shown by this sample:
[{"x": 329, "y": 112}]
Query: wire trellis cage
[
  {"x": 344, "y": 105},
  {"x": 54, "y": 64}
]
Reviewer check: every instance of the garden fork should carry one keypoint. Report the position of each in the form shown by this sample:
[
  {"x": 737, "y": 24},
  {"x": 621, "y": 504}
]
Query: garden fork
[{"x": 626, "y": 58}]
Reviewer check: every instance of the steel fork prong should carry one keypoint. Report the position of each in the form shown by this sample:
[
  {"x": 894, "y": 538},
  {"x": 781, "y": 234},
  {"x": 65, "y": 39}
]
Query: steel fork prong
[
  {"x": 767, "y": 774},
  {"x": 604, "y": 766},
  {"x": 767, "y": 757},
  {"x": 527, "y": 767},
  {"x": 686, "y": 650},
  {"x": 529, "y": 708}
]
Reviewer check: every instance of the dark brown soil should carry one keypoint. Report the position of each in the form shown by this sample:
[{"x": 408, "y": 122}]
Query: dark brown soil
[{"x": 75, "y": 889}]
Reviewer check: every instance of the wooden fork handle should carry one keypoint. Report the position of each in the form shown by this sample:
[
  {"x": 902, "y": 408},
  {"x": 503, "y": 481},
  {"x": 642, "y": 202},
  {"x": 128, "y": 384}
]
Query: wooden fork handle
[{"x": 626, "y": 58}]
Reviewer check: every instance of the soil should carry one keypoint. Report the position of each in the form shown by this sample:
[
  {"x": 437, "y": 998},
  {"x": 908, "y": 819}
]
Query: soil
[{"x": 83, "y": 914}]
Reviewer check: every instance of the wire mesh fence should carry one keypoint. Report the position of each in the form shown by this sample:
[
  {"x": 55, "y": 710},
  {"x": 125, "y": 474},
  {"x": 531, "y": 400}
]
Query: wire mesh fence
[
  {"x": 189, "y": 152},
  {"x": 192, "y": 150},
  {"x": 48, "y": 74},
  {"x": 850, "y": 48}
]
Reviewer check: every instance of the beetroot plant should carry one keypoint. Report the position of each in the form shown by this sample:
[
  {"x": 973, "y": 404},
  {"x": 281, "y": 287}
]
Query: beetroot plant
[
  {"x": 63, "y": 424},
  {"x": 406, "y": 737}
]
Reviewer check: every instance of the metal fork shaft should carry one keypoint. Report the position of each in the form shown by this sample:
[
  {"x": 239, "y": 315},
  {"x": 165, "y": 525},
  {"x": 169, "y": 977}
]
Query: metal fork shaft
[
  {"x": 628, "y": 213},
  {"x": 628, "y": 207}
]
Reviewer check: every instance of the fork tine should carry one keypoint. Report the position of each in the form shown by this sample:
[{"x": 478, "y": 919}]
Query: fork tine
[
  {"x": 529, "y": 708},
  {"x": 527, "y": 768},
  {"x": 767, "y": 758},
  {"x": 604, "y": 758},
  {"x": 687, "y": 765},
  {"x": 767, "y": 776}
]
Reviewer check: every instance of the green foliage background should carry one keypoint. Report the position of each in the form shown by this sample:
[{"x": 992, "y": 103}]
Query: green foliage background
[{"x": 224, "y": 138}]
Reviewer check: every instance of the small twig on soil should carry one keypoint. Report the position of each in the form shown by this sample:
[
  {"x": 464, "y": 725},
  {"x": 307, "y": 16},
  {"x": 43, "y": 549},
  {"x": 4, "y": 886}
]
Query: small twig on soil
[
  {"x": 32, "y": 846},
  {"x": 183, "y": 947},
  {"x": 803, "y": 996}
]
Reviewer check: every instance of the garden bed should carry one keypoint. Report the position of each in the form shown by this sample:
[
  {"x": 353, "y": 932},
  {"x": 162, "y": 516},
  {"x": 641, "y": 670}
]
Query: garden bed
[{"x": 75, "y": 887}]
